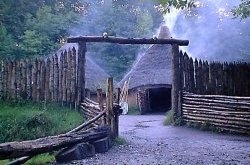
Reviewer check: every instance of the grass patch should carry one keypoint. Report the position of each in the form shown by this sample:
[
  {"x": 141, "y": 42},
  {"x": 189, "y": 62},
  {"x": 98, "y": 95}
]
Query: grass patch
[
  {"x": 204, "y": 127},
  {"x": 133, "y": 111},
  {"x": 29, "y": 121},
  {"x": 170, "y": 120},
  {"x": 26, "y": 121},
  {"x": 119, "y": 141},
  {"x": 42, "y": 159}
]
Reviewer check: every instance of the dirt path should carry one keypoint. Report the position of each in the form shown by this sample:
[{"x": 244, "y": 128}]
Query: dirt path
[{"x": 149, "y": 142}]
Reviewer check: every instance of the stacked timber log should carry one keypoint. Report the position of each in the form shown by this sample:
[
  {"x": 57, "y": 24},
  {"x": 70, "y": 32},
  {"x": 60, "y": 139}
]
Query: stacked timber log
[
  {"x": 203, "y": 77},
  {"x": 57, "y": 78},
  {"x": 229, "y": 113},
  {"x": 51, "y": 143},
  {"x": 90, "y": 109}
]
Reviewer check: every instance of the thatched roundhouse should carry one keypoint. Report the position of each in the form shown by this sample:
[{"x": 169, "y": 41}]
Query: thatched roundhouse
[
  {"x": 95, "y": 75},
  {"x": 151, "y": 78}
]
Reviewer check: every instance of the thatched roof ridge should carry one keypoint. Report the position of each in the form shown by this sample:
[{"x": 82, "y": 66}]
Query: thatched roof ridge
[
  {"x": 95, "y": 75},
  {"x": 153, "y": 67}
]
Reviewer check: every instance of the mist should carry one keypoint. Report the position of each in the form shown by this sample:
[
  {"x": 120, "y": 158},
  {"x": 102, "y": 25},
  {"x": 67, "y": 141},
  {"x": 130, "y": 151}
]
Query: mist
[{"x": 212, "y": 30}]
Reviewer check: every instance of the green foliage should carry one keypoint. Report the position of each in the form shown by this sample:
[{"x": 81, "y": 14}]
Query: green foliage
[
  {"x": 204, "y": 126},
  {"x": 37, "y": 160},
  {"x": 37, "y": 28},
  {"x": 169, "y": 118},
  {"x": 41, "y": 159},
  {"x": 29, "y": 121},
  {"x": 7, "y": 46},
  {"x": 119, "y": 141},
  {"x": 118, "y": 18},
  {"x": 43, "y": 35},
  {"x": 133, "y": 111},
  {"x": 243, "y": 10},
  {"x": 165, "y": 5}
]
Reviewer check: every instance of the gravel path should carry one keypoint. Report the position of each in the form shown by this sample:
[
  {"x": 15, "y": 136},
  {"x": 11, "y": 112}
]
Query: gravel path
[{"x": 149, "y": 142}]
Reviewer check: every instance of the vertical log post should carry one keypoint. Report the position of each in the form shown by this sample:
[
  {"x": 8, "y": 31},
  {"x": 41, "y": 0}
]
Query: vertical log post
[
  {"x": 117, "y": 94},
  {"x": 176, "y": 80},
  {"x": 109, "y": 105},
  {"x": 100, "y": 101},
  {"x": 81, "y": 72}
]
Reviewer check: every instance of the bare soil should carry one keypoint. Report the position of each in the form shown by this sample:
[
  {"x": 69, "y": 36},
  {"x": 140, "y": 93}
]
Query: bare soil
[{"x": 150, "y": 142}]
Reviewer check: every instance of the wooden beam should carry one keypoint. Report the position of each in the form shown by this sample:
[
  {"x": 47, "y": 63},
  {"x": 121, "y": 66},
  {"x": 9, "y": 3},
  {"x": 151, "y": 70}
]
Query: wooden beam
[
  {"x": 121, "y": 40},
  {"x": 176, "y": 86},
  {"x": 33, "y": 147}
]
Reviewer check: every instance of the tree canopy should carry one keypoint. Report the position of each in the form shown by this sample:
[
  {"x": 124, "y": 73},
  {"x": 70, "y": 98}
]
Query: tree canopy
[
  {"x": 33, "y": 28},
  {"x": 242, "y": 10}
]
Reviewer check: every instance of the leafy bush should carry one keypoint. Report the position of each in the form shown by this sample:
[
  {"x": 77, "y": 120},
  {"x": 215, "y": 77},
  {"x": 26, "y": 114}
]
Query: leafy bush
[{"x": 169, "y": 118}]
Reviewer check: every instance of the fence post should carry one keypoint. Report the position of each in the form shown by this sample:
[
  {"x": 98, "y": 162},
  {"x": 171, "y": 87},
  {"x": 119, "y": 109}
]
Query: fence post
[
  {"x": 81, "y": 72},
  {"x": 117, "y": 94},
  {"x": 109, "y": 105},
  {"x": 100, "y": 102},
  {"x": 176, "y": 79}
]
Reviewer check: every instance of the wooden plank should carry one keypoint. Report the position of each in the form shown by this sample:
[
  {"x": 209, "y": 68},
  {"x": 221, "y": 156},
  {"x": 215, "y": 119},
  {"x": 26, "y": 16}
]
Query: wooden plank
[
  {"x": 61, "y": 70},
  {"x": 69, "y": 60},
  {"x": 29, "y": 80},
  {"x": 56, "y": 79},
  {"x": 51, "y": 78},
  {"x": 34, "y": 81},
  {"x": 73, "y": 77},
  {"x": 121, "y": 40},
  {"x": 38, "y": 80},
  {"x": 47, "y": 80}
]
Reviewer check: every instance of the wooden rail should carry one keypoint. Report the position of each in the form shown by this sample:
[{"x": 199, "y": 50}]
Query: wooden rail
[
  {"x": 225, "y": 112},
  {"x": 121, "y": 40},
  {"x": 47, "y": 144}
]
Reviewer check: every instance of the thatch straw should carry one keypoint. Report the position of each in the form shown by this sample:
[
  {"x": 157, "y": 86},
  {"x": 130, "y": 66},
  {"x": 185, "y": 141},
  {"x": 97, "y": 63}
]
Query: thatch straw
[{"x": 153, "y": 67}]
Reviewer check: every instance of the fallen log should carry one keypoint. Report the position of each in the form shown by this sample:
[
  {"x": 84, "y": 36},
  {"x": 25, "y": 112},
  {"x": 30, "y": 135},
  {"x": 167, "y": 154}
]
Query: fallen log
[{"x": 33, "y": 147}]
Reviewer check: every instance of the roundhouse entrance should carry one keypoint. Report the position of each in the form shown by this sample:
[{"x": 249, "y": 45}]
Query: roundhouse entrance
[{"x": 160, "y": 99}]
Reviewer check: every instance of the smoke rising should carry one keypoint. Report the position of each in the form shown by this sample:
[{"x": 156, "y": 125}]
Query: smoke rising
[{"x": 213, "y": 33}]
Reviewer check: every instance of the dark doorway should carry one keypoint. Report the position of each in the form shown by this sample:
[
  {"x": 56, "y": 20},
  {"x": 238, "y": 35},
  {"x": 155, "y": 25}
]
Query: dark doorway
[{"x": 160, "y": 99}]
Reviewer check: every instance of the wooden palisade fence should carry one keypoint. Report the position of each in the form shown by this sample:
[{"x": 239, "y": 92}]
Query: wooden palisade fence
[
  {"x": 58, "y": 78},
  {"x": 213, "y": 78},
  {"x": 214, "y": 93}
]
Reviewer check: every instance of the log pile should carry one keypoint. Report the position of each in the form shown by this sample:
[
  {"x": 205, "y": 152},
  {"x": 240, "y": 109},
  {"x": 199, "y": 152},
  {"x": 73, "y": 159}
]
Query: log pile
[
  {"x": 226, "y": 112},
  {"x": 33, "y": 147},
  {"x": 91, "y": 109}
]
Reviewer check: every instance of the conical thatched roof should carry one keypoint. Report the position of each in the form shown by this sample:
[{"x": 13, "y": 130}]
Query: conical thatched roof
[
  {"x": 153, "y": 67},
  {"x": 95, "y": 75}
]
